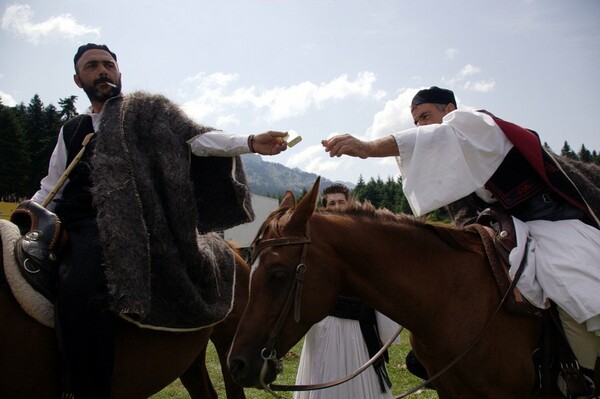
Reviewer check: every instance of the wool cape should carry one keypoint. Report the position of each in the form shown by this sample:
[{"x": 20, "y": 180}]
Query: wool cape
[{"x": 158, "y": 208}]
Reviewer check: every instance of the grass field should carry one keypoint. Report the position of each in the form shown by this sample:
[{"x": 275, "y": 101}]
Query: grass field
[
  {"x": 6, "y": 208},
  {"x": 402, "y": 380}
]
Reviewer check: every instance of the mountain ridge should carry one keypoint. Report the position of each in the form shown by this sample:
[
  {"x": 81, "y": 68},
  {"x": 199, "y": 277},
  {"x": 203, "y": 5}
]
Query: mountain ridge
[{"x": 272, "y": 179}]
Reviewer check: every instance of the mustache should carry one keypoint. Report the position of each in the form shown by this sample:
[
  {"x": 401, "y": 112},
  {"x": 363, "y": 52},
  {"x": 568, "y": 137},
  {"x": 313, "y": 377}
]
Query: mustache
[{"x": 107, "y": 81}]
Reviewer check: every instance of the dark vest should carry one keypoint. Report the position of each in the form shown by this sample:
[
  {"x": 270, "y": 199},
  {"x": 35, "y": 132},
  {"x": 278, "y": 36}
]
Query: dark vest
[
  {"x": 515, "y": 181},
  {"x": 530, "y": 185},
  {"x": 76, "y": 201}
]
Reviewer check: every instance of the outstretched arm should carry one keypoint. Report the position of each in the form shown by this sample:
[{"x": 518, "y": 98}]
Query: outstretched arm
[
  {"x": 267, "y": 143},
  {"x": 346, "y": 144},
  {"x": 221, "y": 144}
]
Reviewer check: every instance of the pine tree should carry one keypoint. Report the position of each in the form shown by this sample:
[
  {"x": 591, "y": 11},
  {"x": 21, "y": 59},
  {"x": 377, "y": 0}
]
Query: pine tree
[
  {"x": 595, "y": 157},
  {"x": 14, "y": 154},
  {"x": 584, "y": 154},
  {"x": 359, "y": 189},
  {"x": 67, "y": 108},
  {"x": 567, "y": 152}
]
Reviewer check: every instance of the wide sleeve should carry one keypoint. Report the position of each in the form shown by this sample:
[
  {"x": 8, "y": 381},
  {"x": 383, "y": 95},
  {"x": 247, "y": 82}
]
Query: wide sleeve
[{"x": 442, "y": 163}]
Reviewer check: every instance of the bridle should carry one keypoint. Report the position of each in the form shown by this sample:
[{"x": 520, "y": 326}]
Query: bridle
[
  {"x": 268, "y": 353},
  {"x": 294, "y": 297}
]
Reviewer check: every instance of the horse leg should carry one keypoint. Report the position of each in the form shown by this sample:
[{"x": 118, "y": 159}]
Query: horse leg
[
  {"x": 224, "y": 332},
  {"x": 28, "y": 353},
  {"x": 222, "y": 337},
  {"x": 196, "y": 379},
  {"x": 148, "y": 360}
]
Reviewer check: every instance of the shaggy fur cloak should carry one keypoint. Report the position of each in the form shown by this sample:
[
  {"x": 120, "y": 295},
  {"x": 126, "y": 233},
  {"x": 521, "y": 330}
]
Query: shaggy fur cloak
[{"x": 156, "y": 206}]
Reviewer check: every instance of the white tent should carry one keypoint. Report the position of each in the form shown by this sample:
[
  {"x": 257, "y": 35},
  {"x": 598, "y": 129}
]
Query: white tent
[{"x": 243, "y": 234}]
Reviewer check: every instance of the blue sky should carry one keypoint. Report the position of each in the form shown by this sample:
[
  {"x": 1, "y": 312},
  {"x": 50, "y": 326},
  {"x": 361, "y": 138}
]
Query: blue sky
[{"x": 323, "y": 67}]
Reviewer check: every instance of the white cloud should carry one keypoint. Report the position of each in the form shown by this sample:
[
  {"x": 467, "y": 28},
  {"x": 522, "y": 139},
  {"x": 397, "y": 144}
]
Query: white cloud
[
  {"x": 7, "y": 99},
  {"x": 483, "y": 86},
  {"x": 211, "y": 94},
  {"x": 468, "y": 70},
  {"x": 227, "y": 120},
  {"x": 461, "y": 80},
  {"x": 451, "y": 53},
  {"x": 17, "y": 18},
  {"x": 314, "y": 159},
  {"x": 394, "y": 116}
]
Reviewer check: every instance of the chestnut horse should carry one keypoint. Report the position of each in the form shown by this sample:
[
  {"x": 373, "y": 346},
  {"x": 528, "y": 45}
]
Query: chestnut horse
[
  {"x": 434, "y": 280},
  {"x": 146, "y": 360}
]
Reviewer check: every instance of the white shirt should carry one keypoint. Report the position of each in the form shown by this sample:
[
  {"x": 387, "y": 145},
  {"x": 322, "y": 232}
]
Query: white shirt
[
  {"x": 442, "y": 163},
  {"x": 445, "y": 162},
  {"x": 215, "y": 143}
]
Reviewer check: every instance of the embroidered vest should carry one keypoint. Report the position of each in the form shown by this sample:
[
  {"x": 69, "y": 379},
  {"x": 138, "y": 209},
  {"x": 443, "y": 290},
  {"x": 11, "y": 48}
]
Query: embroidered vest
[
  {"x": 514, "y": 181},
  {"x": 545, "y": 172}
]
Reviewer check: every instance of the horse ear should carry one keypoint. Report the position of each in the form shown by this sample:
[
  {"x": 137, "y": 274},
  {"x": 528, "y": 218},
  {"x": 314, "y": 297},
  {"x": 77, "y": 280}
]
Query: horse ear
[
  {"x": 306, "y": 206},
  {"x": 288, "y": 200}
]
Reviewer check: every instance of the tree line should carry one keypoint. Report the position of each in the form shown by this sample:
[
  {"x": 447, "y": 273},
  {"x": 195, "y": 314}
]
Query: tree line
[{"x": 28, "y": 134}]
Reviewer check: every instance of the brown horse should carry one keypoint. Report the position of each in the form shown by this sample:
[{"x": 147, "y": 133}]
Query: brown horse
[
  {"x": 435, "y": 280},
  {"x": 146, "y": 360}
]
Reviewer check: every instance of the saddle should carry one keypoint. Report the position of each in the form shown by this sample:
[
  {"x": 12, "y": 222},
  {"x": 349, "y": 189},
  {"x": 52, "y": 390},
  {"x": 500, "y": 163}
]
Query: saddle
[
  {"x": 37, "y": 251},
  {"x": 498, "y": 246},
  {"x": 555, "y": 357}
]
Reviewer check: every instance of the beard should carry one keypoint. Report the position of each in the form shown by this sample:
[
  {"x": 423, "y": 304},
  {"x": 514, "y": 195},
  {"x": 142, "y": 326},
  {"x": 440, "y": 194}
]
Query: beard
[{"x": 102, "y": 94}]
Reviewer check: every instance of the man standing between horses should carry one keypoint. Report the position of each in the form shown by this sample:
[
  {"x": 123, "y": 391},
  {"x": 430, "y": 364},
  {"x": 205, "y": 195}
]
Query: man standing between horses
[
  {"x": 342, "y": 342},
  {"x": 136, "y": 178},
  {"x": 474, "y": 157}
]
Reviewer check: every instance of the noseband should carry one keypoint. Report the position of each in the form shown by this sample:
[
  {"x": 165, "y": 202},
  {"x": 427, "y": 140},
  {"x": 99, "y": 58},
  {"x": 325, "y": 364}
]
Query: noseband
[
  {"x": 269, "y": 353},
  {"x": 294, "y": 296}
]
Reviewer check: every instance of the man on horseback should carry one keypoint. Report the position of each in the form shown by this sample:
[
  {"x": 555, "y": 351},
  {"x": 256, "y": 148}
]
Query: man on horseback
[
  {"x": 455, "y": 158},
  {"x": 122, "y": 168}
]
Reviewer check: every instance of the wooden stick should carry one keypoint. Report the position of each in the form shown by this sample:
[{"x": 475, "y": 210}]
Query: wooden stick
[{"x": 67, "y": 171}]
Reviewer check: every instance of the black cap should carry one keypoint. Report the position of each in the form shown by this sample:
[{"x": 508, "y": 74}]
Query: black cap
[
  {"x": 91, "y": 46},
  {"x": 434, "y": 95}
]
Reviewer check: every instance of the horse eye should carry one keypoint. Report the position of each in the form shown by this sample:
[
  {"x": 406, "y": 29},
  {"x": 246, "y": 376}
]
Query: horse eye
[{"x": 277, "y": 275}]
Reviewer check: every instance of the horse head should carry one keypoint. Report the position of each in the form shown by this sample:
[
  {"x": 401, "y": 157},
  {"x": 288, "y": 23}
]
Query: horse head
[{"x": 280, "y": 310}]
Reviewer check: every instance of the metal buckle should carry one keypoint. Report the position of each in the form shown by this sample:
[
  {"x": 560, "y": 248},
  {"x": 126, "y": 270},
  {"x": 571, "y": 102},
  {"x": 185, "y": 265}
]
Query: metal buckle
[{"x": 547, "y": 198}]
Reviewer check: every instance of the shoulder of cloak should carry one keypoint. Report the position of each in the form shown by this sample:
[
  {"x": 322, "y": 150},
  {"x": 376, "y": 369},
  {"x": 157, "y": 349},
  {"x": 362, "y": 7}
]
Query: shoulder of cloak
[
  {"x": 550, "y": 169},
  {"x": 220, "y": 187}
]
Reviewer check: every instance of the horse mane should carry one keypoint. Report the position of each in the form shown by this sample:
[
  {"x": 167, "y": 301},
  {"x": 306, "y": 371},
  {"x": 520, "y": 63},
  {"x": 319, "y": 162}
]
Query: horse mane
[
  {"x": 272, "y": 223},
  {"x": 456, "y": 237}
]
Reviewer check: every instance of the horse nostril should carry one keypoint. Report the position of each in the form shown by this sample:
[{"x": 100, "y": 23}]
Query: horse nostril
[{"x": 238, "y": 369}]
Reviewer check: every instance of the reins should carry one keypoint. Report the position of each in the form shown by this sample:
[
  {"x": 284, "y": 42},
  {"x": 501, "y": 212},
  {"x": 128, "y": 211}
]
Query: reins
[
  {"x": 512, "y": 286},
  {"x": 348, "y": 377},
  {"x": 294, "y": 297}
]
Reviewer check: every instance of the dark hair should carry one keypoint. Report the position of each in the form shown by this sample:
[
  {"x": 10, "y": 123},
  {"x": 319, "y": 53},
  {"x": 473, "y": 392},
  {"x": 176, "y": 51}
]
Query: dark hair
[
  {"x": 335, "y": 188},
  {"x": 91, "y": 46}
]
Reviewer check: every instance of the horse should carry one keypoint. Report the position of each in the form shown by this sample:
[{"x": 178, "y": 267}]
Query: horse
[
  {"x": 433, "y": 279},
  {"x": 146, "y": 360}
]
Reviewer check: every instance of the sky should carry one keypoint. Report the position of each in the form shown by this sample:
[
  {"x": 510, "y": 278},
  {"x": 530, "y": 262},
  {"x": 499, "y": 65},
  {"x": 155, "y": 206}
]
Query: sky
[{"x": 322, "y": 67}]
